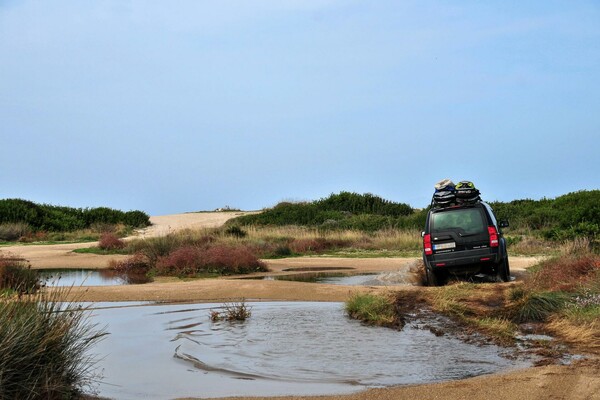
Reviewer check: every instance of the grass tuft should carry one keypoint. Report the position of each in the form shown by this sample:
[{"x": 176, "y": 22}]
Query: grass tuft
[
  {"x": 535, "y": 306},
  {"x": 232, "y": 311},
  {"x": 372, "y": 309},
  {"x": 17, "y": 276},
  {"x": 44, "y": 348}
]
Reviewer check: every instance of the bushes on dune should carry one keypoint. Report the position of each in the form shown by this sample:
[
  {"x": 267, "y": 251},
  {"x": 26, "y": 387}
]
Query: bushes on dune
[
  {"x": 573, "y": 215},
  {"x": 43, "y": 217},
  {"x": 569, "y": 216},
  {"x": 12, "y": 231},
  {"x": 338, "y": 211},
  {"x": 362, "y": 204}
]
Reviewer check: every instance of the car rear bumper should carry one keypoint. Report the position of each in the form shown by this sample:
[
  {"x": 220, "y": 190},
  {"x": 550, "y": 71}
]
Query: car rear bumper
[{"x": 467, "y": 259}]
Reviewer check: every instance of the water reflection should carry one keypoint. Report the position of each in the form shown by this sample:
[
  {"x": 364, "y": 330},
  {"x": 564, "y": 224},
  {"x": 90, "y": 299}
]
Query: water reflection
[
  {"x": 88, "y": 277},
  {"x": 341, "y": 278}
]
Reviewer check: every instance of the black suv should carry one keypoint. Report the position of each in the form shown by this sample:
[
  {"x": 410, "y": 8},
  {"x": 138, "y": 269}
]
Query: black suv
[{"x": 464, "y": 240}]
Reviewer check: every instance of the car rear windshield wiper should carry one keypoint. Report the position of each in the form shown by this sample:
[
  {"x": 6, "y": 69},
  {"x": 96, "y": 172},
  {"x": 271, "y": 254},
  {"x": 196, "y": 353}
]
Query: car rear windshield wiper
[{"x": 466, "y": 234}]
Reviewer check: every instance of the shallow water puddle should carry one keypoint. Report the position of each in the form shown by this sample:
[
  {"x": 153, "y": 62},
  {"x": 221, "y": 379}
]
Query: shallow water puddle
[{"x": 168, "y": 351}]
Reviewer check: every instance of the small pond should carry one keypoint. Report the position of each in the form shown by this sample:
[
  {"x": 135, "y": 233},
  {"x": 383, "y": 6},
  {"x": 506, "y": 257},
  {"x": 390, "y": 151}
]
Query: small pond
[
  {"x": 284, "y": 348},
  {"x": 87, "y": 277}
]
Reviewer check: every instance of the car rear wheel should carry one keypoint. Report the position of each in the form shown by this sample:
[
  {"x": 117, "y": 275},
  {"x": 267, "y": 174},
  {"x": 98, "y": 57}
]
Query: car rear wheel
[
  {"x": 503, "y": 271},
  {"x": 435, "y": 278}
]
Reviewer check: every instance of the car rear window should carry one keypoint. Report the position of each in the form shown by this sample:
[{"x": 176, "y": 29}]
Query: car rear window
[{"x": 467, "y": 220}]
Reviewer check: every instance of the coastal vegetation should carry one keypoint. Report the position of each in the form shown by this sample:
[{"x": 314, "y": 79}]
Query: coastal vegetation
[
  {"x": 27, "y": 221},
  {"x": 44, "y": 342},
  {"x": 373, "y": 309},
  {"x": 572, "y": 215},
  {"x": 342, "y": 211},
  {"x": 16, "y": 276},
  {"x": 298, "y": 229},
  {"x": 536, "y": 226},
  {"x": 44, "y": 348},
  {"x": 226, "y": 251},
  {"x": 560, "y": 297}
]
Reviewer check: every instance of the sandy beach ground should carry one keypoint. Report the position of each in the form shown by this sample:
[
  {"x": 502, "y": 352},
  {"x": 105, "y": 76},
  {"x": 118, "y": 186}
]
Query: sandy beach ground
[{"x": 580, "y": 381}]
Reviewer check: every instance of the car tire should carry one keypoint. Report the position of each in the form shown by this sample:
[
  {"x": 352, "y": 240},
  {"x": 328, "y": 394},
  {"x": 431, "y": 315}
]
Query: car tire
[
  {"x": 435, "y": 279},
  {"x": 503, "y": 271}
]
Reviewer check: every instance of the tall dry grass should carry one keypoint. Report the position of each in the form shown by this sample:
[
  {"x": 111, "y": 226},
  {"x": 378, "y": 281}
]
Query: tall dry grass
[
  {"x": 17, "y": 276},
  {"x": 389, "y": 239},
  {"x": 45, "y": 348}
]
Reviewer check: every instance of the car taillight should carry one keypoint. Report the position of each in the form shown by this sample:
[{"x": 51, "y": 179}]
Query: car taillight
[
  {"x": 427, "y": 244},
  {"x": 493, "y": 236}
]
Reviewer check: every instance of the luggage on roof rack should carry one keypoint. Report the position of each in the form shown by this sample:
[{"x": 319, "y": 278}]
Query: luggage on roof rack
[
  {"x": 466, "y": 192},
  {"x": 444, "y": 194},
  {"x": 448, "y": 194}
]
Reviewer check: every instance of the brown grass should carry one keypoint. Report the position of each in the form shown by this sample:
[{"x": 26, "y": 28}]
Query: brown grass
[
  {"x": 567, "y": 273},
  {"x": 580, "y": 334}
]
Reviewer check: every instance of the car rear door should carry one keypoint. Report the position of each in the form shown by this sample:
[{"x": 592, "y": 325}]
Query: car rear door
[{"x": 458, "y": 229}]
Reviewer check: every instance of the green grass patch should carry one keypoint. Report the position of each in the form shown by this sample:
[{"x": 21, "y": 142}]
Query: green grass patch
[
  {"x": 50, "y": 242},
  {"x": 372, "y": 309},
  {"x": 583, "y": 314},
  {"x": 99, "y": 251}
]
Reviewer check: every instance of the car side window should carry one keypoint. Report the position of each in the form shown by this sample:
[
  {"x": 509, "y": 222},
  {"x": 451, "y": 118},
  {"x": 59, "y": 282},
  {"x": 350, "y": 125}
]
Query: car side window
[{"x": 492, "y": 216}]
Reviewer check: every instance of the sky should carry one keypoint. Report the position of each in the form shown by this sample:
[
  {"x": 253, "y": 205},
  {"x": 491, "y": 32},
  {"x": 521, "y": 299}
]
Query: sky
[{"x": 178, "y": 106}]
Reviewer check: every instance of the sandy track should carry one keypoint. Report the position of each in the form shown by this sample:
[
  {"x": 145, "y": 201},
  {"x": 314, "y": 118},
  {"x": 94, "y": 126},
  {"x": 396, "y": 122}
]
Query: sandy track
[{"x": 223, "y": 289}]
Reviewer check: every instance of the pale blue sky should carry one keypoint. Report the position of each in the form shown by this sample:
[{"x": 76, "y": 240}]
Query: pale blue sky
[{"x": 174, "y": 106}]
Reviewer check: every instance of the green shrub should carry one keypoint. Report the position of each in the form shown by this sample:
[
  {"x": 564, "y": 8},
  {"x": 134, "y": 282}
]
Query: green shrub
[
  {"x": 570, "y": 216},
  {"x": 44, "y": 348},
  {"x": 44, "y": 217},
  {"x": 235, "y": 231},
  {"x": 135, "y": 219},
  {"x": 12, "y": 231},
  {"x": 345, "y": 210},
  {"x": 535, "y": 306},
  {"x": 363, "y": 204}
]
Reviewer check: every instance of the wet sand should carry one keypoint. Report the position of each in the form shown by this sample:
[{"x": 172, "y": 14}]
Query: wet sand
[{"x": 580, "y": 382}]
